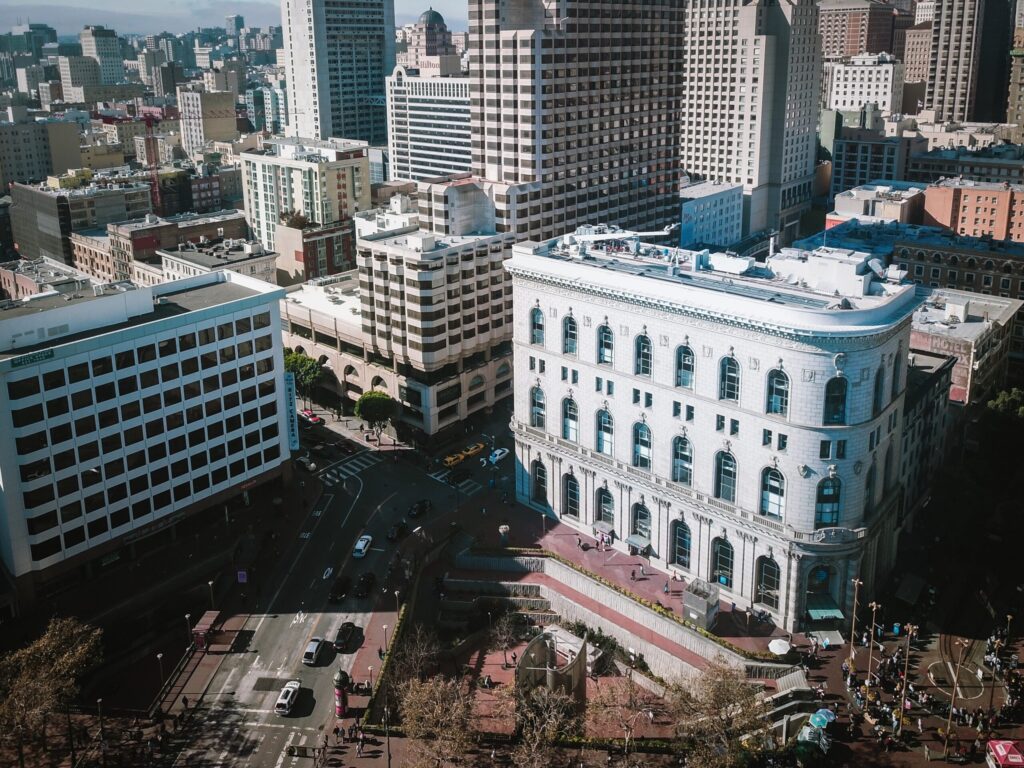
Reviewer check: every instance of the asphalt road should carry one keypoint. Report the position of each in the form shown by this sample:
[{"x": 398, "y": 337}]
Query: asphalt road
[{"x": 364, "y": 493}]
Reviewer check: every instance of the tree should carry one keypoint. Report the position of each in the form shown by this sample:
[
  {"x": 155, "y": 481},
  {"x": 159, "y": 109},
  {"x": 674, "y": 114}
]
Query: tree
[
  {"x": 435, "y": 715},
  {"x": 306, "y": 370},
  {"x": 623, "y": 709},
  {"x": 43, "y": 676},
  {"x": 1008, "y": 403},
  {"x": 503, "y": 634},
  {"x": 376, "y": 409},
  {"x": 294, "y": 219},
  {"x": 721, "y": 717},
  {"x": 543, "y": 717}
]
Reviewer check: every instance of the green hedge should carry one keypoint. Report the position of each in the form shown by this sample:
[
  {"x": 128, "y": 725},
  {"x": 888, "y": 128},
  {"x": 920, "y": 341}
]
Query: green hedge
[{"x": 659, "y": 609}]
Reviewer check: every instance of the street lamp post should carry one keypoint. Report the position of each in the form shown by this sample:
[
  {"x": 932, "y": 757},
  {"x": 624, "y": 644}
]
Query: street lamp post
[
  {"x": 385, "y": 638},
  {"x": 99, "y": 713},
  {"x": 910, "y": 629},
  {"x": 956, "y": 684},
  {"x": 857, "y": 584},
  {"x": 370, "y": 670},
  {"x": 213, "y": 606},
  {"x": 387, "y": 730},
  {"x": 188, "y": 629},
  {"x": 398, "y": 607},
  {"x": 992, "y": 688},
  {"x": 1009, "y": 618},
  {"x": 543, "y": 523},
  {"x": 871, "y": 640},
  {"x": 160, "y": 661}
]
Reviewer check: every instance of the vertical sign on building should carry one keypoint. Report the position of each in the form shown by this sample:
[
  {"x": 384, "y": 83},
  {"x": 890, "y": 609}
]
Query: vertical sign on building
[{"x": 293, "y": 417}]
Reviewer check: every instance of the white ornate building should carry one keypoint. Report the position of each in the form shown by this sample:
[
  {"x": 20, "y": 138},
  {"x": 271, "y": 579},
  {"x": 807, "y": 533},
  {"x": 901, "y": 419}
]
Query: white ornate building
[{"x": 732, "y": 421}]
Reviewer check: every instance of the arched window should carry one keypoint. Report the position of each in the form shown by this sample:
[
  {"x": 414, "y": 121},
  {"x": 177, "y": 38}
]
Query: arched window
[
  {"x": 477, "y": 382},
  {"x": 777, "y": 400},
  {"x": 835, "y": 400},
  {"x": 684, "y": 367},
  {"x": 641, "y": 523},
  {"x": 721, "y": 562},
  {"x": 729, "y": 379},
  {"x": 570, "y": 420},
  {"x": 887, "y": 478},
  {"x": 869, "y": 492},
  {"x": 989, "y": 265},
  {"x": 641, "y": 445},
  {"x": 766, "y": 590},
  {"x": 605, "y": 505},
  {"x": 773, "y": 492},
  {"x": 540, "y": 482},
  {"x": 897, "y": 365},
  {"x": 570, "y": 496},
  {"x": 536, "y": 326},
  {"x": 605, "y": 433},
  {"x": 643, "y": 356},
  {"x": 503, "y": 370},
  {"x": 605, "y": 345},
  {"x": 680, "y": 544},
  {"x": 826, "y": 505},
  {"x": 682, "y": 461},
  {"x": 537, "y": 408},
  {"x": 725, "y": 476},
  {"x": 877, "y": 401},
  {"x": 569, "y": 335},
  {"x": 819, "y": 580}
]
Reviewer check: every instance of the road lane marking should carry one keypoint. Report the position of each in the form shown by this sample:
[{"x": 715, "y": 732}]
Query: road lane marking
[{"x": 284, "y": 751}]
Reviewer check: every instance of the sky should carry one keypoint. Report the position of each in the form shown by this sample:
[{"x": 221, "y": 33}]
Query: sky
[{"x": 150, "y": 16}]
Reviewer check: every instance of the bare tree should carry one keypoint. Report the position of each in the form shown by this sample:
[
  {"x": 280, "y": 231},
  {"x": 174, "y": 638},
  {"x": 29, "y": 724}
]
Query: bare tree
[
  {"x": 503, "y": 634},
  {"x": 43, "y": 677},
  {"x": 721, "y": 716},
  {"x": 435, "y": 716},
  {"x": 542, "y": 718},
  {"x": 623, "y": 709}
]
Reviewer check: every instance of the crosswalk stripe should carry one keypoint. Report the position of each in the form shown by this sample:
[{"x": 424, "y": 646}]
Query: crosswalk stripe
[{"x": 350, "y": 468}]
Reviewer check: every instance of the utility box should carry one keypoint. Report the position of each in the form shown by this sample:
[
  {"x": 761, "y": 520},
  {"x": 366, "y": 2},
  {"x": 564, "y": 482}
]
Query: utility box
[{"x": 700, "y": 603}]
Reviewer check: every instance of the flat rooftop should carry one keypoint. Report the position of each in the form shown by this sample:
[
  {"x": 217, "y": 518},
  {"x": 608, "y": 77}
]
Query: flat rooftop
[
  {"x": 858, "y": 232},
  {"x": 410, "y": 241},
  {"x": 963, "y": 315},
  {"x": 44, "y": 271},
  {"x": 701, "y": 189},
  {"x": 181, "y": 219},
  {"x": 335, "y": 297},
  {"x": 218, "y": 253},
  {"x": 140, "y": 306},
  {"x": 985, "y": 186}
]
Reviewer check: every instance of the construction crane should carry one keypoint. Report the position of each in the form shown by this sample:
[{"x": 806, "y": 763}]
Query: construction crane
[
  {"x": 578, "y": 242},
  {"x": 154, "y": 162}
]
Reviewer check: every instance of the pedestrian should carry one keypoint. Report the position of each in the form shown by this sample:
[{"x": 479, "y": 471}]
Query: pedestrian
[
  {"x": 184, "y": 702},
  {"x": 642, "y": 571},
  {"x": 336, "y": 731},
  {"x": 665, "y": 588},
  {"x": 579, "y": 543},
  {"x": 514, "y": 657},
  {"x": 359, "y": 748},
  {"x": 483, "y": 511},
  {"x": 927, "y": 753},
  {"x": 920, "y": 726},
  {"x": 632, "y": 575}
]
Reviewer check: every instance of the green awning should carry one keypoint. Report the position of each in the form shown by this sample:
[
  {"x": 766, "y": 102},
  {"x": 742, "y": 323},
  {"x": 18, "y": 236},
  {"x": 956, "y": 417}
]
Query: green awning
[
  {"x": 638, "y": 541},
  {"x": 821, "y": 607}
]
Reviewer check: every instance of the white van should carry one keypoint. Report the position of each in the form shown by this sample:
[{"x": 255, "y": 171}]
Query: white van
[{"x": 309, "y": 658}]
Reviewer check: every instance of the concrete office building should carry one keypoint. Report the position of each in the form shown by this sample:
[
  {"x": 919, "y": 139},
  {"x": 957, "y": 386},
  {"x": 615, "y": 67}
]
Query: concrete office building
[
  {"x": 267, "y": 108},
  {"x": 997, "y": 163},
  {"x": 321, "y": 184},
  {"x": 882, "y": 201},
  {"x": 918, "y": 55},
  {"x": 1015, "y": 96},
  {"x": 428, "y": 126},
  {"x": 77, "y": 72},
  {"x": 719, "y": 417},
  {"x": 43, "y": 218},
  {"x": 925, "y": 11},
  {"x": 976, "y": 208},
  {"x": 103, "y": 46},
  {"x": 860, "y": 156},
  {"x": 568, "y": 155},
  {"x": 711, "y": 214},
  {"x": 853, "y": 27},
  {"x": 22, "y": 278},
  {"x": 242, "y": 256},
  {"x": 336, "y": 58},
  {"x": 763, "y": 133},
  {"x": 32, "y": 150},
  {"x": 126, "y": 409},
  {"x": 427, "y": 38},
  {"x": 205, "y": 116},
  {"x": 445, "y": 359},
  {"x": 871, "y": 78}
]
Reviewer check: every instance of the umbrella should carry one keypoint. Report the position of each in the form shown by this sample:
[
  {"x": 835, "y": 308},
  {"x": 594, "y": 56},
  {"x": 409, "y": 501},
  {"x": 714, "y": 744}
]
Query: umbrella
[
  {"x": 818, "y": 720},
  {"x": 779, "y": 646},
  {"x": 828, "y": 714}
]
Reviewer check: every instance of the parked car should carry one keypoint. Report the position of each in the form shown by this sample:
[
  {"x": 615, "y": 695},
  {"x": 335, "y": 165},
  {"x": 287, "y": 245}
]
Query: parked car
[
  {"x": 309, "y": 417},
  {"x": 346, "y": 634},
  {"x": 312, "y": 654},
  {"x": 365, "y": 584},
  {"x": 306, "y": 463},
  {"x": 397, "y": 531},
  {"x": 497, "y": 455},
  {"x": 286, "y": 698},
  {"x": 472, "y": 450},
  {"x": 453, "y": 460},
  {"x": 420, "y": 507},
  {"x": 362, "y": 545},
  {"x": 339, "y": 588}
]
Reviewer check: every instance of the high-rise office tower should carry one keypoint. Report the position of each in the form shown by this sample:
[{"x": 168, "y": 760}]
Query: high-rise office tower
[
  {"x": 428, "y": 37},
  {"x": 575, "y": 113},
  {"x": 751, "y": 74},
  {"x": 101, "y": 44},
  {"x": 852, "y": 27},
  {"x": 235, "y": 24},
  {"x": 336, "y": 60},
  {"x": 970, "y": 45}
]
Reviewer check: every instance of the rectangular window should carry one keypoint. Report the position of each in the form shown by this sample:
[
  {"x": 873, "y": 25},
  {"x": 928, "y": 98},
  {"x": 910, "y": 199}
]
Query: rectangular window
[
  {"x": 636, "y": 396},
  {"x": 719, "y": 422},
  {"x": 766, "y": 437},
  {"x": 689, "y": 413},
  {"x": 677, "y": 408},
  {"x": 609, "y": 388},
  {"x": 565, "y": 373},
  {"x": 598, "y": 384},
  {"x": 734, "y": 427},
  {"x": 540, "y": 364},
  {"x": 167, "y": 347},
  {"x": 783, "y": 441},
  {"x": 575, "y": 376},
  {"x": 648, "y": 400},
  {"x": 79, "y": 372},
  {"x": 533, "y": 363},
  {"x": 825, "y": 449}
]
